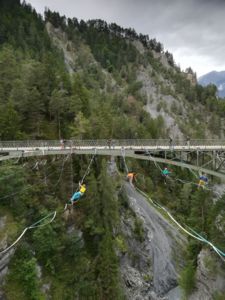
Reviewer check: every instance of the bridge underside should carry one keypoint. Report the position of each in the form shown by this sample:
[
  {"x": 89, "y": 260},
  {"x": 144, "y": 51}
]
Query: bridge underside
[{"x": 209, "y": 162}]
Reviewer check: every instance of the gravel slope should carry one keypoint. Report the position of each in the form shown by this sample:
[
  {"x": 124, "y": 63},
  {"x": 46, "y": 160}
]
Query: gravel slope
[{"x": 166, "y": 244}]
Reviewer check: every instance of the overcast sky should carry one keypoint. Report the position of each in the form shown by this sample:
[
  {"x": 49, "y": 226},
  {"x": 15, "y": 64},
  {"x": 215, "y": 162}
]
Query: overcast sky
[{"x": 192, "y": 30}]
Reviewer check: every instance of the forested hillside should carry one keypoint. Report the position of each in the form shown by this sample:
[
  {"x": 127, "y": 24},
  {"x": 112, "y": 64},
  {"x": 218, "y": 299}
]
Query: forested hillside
[{"x": 64, "y": 78}]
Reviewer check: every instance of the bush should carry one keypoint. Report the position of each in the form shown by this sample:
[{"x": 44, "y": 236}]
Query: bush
[
  {"x": 218, "y": 296},
  {"x": 23, "y": 277},
  {"x": 187, "y": 279},
  {"x": 139, "y": 230},
  {"x": 121, "y": 244}
]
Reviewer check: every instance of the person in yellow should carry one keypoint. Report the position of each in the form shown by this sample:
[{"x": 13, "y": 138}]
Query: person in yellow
[
  {"x": 203, "y": 180},
  {"x": 77, "y": 195},
  {"x": 131, "y": 177}
]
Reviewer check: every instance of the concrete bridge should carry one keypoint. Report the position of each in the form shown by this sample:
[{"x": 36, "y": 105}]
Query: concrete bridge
[{"x": 201, "y": 155}]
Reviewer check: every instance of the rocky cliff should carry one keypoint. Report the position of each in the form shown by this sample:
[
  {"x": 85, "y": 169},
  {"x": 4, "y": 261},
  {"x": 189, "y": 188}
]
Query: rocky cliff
[{"x": 151, "y": 266}]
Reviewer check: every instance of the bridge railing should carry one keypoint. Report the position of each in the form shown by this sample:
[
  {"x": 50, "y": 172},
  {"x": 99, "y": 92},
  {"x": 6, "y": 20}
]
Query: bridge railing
[
  {"x": 29, "y": 144},
  {"x": 109, "y": 143},
  {"x": 114, "y": 143},
  {"x": 144, "y": 142}
]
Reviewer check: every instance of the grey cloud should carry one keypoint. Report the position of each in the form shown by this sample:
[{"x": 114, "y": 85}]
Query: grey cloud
[{"x": 194, "y": 25}]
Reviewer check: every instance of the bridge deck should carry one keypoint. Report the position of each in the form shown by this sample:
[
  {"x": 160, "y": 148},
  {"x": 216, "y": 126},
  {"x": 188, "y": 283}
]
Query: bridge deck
[
  {"x": 138, "y": 149},
  {"x": 130, "y": 147},
  {"x": 100, "y": 144}
]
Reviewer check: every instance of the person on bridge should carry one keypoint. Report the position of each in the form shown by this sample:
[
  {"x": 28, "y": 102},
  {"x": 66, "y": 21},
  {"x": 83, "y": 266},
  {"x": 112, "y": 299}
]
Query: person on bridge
[
  {"x": 77, "y": 195},
  {"x": 131, "y": 176},
  {"x": 188, "y": 141},
  {"x": 203, "y": 180},
  {"x": 109, "y": 143},
  {"x": 62, "y": 143}
]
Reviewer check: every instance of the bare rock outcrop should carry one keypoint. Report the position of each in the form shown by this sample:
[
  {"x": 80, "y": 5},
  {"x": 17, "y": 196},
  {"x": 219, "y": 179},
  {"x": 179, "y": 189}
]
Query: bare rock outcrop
[
  {"x": 151, "y": 267},
  {"x": 210, "y": 277},
  {"x": 5, "y": 257}
]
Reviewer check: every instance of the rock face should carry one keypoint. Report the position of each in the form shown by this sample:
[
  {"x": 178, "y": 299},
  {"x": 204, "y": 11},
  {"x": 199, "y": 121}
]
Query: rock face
[
  {"x": 4, "y": 261},
  {"x": 70, "y": 52},
  {"x": 210, "y": 277},
  {"x": 4, "y": 258},
  {"x": 150, "y": 268},
  {"x": 77, "y": 54},
  {"x": 159, "y": 104}
]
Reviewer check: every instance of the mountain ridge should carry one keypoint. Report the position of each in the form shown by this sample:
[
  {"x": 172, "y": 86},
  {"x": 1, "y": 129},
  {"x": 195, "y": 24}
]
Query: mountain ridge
[{"x": 214, "y": 77}]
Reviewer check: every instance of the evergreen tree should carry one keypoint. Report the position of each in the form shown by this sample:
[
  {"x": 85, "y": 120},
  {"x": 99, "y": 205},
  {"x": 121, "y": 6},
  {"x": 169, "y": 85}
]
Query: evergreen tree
[
  {"x": 9, "y": 123},
  {"x": 58, "y": 107}
]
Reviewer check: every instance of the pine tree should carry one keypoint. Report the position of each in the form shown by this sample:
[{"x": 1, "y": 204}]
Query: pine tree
[
  {"x": 58, "y": 107},
  {"x": 9, "y": 123}
]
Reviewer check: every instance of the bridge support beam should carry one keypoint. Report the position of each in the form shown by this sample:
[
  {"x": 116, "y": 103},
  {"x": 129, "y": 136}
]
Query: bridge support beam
[
  {"x": 194, "y": 157},
  {"x": 197, "y": 158}
]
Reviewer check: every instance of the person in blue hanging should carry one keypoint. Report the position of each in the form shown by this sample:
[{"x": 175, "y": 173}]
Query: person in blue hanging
[
  {"x": 77, "y": 195},
  {"x": 203, "y": 180},
  {"x": 165, "y": 173}
]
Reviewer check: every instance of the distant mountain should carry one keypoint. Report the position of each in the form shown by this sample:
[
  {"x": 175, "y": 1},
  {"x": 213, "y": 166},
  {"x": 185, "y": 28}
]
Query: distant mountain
[{"x": 217, "y": 78}]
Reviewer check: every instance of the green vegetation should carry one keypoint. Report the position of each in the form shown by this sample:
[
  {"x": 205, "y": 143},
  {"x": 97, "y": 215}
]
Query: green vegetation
[
  {"x": 218, "y": 296},
  {"x": 23, "y": 277},
  {"x": 139, "y": 230},
  {"x": 187, "y": 280},
  {"x": 121, "y": 244},
  {"x": 148, "y": 277},
  {"x": 84, "y": 265},
  {"x": 41, "y": 100}
]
